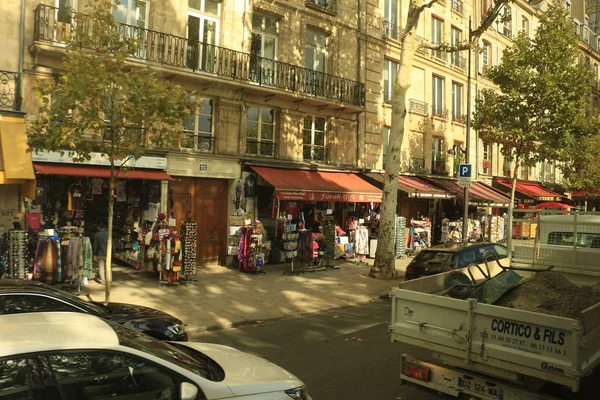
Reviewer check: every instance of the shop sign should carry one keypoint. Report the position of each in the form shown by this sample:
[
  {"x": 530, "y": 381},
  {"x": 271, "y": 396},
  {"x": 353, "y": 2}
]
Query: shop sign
[
  {"x": 548, "y": 198},
  {"x": 329, "y": 196},
  {"x": 100, "y": 159}
]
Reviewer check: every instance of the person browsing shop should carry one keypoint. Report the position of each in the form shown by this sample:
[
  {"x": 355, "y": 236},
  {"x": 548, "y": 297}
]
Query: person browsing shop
[{"x": 99, "y": 244}]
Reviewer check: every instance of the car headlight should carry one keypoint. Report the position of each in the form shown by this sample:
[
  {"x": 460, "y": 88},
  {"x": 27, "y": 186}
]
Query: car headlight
[
  {"x": 177, "y": 329},
  {"x": 298, "y": 393}
]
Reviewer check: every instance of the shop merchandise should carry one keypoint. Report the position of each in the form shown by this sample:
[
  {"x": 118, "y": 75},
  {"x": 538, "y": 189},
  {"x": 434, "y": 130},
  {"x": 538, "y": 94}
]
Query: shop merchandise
[
  {"x": 329, "y": 237},
  {"x": 189, "y": 232},
  {"x": 75, "y": 197},
  {"x": 400, "y": 237},
  {"x": 47, "y": 265},
  {"x": 97, "y": 184},
  {"x": 152, "y": 212},
  {"x": 237, "y": 193},
  {"x": 42, "y": 190},
  {"x": 292, "y": 208},
  {"x": 361, "y": 241},
  {"x": 250, "y": 186},
  {"x": 121, "y": 189},
  {"x": 18, "y": 254},
  {"x": 33, "y": 220}
]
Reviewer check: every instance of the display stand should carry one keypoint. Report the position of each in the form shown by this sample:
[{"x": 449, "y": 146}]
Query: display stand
[
  {"x": 305, "y": 253},
  {"x": 329, "y": 233},
  {"x": 189, "y": 232},
  {"x": 290, "y": 238}
]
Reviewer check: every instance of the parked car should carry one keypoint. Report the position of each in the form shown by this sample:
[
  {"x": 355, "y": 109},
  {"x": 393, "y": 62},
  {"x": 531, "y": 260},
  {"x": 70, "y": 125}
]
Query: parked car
[
  {"x": 18, "y": 296},
  {"x": 66, "y": 356},
  {"x": 446, "y": 257}
]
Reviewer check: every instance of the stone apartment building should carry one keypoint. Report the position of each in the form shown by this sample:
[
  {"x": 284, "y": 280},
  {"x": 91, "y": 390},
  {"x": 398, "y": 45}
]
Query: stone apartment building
[{"x": 302, "y": 84}]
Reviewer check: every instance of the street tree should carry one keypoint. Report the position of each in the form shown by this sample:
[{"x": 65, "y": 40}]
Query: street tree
[
  {"x": 384, "y": 266},
  {"x": 538, "y": 110},
  {"x": 101, "y": 103}
]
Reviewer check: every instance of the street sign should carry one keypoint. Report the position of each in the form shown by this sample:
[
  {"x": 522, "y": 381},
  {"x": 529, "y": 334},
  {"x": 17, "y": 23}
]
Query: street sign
[
  {"x": 464, "y": 171},
  {"x": 464, "y": 183}
]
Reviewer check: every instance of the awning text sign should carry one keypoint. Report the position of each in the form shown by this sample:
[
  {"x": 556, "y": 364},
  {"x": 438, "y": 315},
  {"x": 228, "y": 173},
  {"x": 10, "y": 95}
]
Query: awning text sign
[{"x": 306, "y": 195}]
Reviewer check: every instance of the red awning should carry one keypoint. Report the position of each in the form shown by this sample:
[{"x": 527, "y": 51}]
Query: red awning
[
  {"x": 293, "y": 184},
  {"x": 480, "y": 194},
  {"x": 416, "y": 187},
  {"x": 93, "y": 171},
  {"x": 534, "y": 190},
  {"x": 586, "y": 194}
]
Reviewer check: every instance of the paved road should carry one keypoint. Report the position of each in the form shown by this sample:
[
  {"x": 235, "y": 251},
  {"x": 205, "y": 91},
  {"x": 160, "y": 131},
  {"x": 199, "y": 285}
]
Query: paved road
[{"x": 343, "y": 354}]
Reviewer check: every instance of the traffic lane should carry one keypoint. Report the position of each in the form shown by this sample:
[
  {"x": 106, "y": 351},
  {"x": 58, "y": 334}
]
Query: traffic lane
[{"x": 340, "y": 354}]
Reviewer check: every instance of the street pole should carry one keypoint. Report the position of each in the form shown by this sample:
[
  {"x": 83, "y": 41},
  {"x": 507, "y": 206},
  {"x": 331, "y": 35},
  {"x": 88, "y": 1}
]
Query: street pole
[{"x": 465, "y": 227}]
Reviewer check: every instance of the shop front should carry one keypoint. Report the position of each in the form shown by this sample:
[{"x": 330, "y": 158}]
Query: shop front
[
  {"x": 293, "y": 206},
  {"x": 529, "y": 193},
  {"x": 201, "y": 196}
]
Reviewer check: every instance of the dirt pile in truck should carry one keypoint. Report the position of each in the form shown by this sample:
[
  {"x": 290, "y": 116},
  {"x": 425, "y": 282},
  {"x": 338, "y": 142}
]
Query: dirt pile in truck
[{"x": 551, "y": 293}]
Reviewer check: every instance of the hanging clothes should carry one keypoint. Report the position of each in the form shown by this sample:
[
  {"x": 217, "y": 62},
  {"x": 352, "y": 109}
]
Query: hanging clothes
[{"x": 361, "y": 240}]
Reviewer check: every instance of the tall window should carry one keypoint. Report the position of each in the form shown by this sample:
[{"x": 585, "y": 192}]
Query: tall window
[
  {"x": 485, "y": 55},
  {"x": 203, "y": 34},
  {"x": 438, "y": 161},
  {"x": 390, "y": 16},
  {"x": 549, "y": 171},
  {"x": 198, "y": 128},
  {"x": 314, "y": 138},
  {"x": 386, "y": 144},
  {"x": 438, "y": 96},
  {"x": 505, "y": 25},
  {"x": 260, "y": 133},
  {"x": 457, "y": 99},
  {"x": 437, "y": 34},
  {"x": 486, "y": 164},
  {"x": 132, "y": 12},
  {"x": 455, "y": 38},
  {"x": 525, "y": 25},
  {"x": 315, "y": 61},
  {"x": 263, "y": 49},
  {"x": 390, "y": 72}
]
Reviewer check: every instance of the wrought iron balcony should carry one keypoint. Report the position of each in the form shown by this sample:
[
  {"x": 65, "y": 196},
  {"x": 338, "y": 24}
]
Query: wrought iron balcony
[
  {"x": 439, "y": 54},
  {"x": 418, "y": 107},
  {"x": 438, "y": 112},
  {"x": 329, "y": 6},
  {"x": 457, "y": 60},
  {"x": 202, "y": 143},
  {"x": 314, "y": 153},
  {"x": 459, "y": 118},
  {"x": 205, "y": 58},
  {"x": 457, "y": 5},
  {"x": 10, "y": 91},
  {"x": 260, "y": 148},
  {"x": 392, "y": 30}
]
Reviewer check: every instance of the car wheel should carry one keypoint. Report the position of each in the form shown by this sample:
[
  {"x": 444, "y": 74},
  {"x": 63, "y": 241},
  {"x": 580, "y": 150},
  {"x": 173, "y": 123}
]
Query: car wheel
[{"x": 454, "y": 278}]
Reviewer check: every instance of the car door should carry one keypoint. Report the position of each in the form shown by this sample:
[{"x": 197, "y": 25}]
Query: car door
[
  {"x": 20, "y": 303},
  {"x": 20, "y": 379},
  {"x": 99, "y": 374}
]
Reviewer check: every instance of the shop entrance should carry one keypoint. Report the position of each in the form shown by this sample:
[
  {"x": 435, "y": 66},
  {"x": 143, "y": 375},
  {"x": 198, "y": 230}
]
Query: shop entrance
[{"x": 206, "y": 201}]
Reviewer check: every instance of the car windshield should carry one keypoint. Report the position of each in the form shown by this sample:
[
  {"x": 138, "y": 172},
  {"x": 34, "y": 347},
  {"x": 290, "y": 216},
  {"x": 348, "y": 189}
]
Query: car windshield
[
  {"x": 433, "y": 257},
  {"x": 97, "y": 308},
  {"x": 180, "y": 355}
]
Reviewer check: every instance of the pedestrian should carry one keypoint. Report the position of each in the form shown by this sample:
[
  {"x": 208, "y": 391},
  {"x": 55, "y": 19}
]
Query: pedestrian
[{"x": 99, "y": 243}]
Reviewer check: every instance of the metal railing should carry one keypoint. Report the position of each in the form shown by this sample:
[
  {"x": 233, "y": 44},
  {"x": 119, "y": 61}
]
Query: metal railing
[
  {"x": 506, "y": 31},
  {"x": 314, "y": 153},
  {"x": 418, "y": 107},
  {"x": 203, "y": 143},
  {"x": 457, "y": 5},
  {"x": 208, "y": 58},
  {"x": 260, "y": 148},
  {"x": 10, "y": 91},
  {"x": 439, "y": 54},
  {"x": 391, "y": 29},
  {"x": 458, "y": 60},
  {"x": 437, "y": 111},
  {"x": 460, "y": 118},
  {"x": 326, "y": 5}
]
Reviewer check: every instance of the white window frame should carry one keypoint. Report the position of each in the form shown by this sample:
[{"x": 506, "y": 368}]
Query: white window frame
[
  {"x": 316, "y": 48},
  {"x": 196, "y": 134},
  {"x": 486, "y": 155},
  {"x": 525, "y": 24},
  {"x": 391, "y": 78},
  {"x": 258, "y": 137},
  {"x": 312, "y": 138},
  {"x": 437, "y": 95},
  {"x": 129, "y": 12},
  {"x": 385, "y": 144},
  {"x": 391, "y": 12},
  {"x": 455, "y": 38},
  {"x": 457, "y": 100}
]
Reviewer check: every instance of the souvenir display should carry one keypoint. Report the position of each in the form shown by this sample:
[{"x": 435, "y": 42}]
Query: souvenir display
[{"x": 189, "y": 232}]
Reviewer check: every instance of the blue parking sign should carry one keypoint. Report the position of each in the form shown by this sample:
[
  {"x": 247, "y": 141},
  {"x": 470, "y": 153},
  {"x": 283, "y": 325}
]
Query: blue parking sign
[{"x": 464, "y": 171}]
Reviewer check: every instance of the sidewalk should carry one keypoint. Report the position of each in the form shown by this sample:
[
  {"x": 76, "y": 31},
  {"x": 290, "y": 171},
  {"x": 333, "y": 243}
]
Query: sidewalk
[{"x": 224, "y": 297}]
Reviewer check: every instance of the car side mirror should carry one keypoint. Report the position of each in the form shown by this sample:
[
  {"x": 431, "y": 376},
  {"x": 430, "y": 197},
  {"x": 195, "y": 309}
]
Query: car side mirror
[{"x": 188, "y": 391}]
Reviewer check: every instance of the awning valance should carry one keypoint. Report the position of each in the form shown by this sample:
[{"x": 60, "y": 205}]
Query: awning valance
[
  {"x": 533, "y": 190},
  {"x": 480, "y": 194},
  {"x": 415, "y": 187},
  {"x": 99, "y": 172},
  {"x": 301, "y": 185}
]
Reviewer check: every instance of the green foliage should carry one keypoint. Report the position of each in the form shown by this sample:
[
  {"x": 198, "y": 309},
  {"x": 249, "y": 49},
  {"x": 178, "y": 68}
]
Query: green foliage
[
  {"x": 539, "y": 110},
  {"x": 102, "y": 103}
]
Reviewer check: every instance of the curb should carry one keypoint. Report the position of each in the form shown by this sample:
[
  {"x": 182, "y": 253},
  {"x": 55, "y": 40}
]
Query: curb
[{"x": 237, "y": 324}]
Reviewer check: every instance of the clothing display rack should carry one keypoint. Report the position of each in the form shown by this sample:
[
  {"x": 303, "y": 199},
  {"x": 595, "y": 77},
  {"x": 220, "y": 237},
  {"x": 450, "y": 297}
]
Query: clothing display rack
[{"x": 290, "y": 238}]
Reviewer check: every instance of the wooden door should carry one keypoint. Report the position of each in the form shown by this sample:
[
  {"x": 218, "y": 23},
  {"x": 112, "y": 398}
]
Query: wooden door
[{"x": 211, "y": 215}]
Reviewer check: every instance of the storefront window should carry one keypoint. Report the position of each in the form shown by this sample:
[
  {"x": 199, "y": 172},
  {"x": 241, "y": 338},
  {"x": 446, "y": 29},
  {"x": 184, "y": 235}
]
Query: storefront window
[
  {"x": 198, "y": 128},
  {"x": 260, "y": 131},
  {"x": 314, "y": 138}
]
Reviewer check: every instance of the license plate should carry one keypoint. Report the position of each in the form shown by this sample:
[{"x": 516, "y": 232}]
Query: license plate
[{"x": 478, "y": 386}]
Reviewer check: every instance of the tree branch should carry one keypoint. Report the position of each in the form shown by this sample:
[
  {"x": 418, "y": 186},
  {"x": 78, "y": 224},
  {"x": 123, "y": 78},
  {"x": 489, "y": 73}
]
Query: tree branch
[
  {"x": 488, "y": 20},
  {"x": 414, "y": 12}
]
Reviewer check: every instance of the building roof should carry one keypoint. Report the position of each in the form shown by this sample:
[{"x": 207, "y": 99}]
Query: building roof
[{"x": 31, "y": 332}]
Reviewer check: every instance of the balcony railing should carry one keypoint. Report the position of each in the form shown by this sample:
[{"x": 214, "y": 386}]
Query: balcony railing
[
  {"x": 329, "y": 6},
  {"x": 416, "y": 165},
  {"x": 418, "y": 107},
  {"x": 202, "y": 143},
  {"x": 392, "y": 30},
  {"x": 458, "y": 60},
  {"x": 208, "y": 58},
  {"x": 459, "y": 118},
  {"x": 10, "y": 91},
  {"x": 437, "y": 111},
  {"x": 260, "y": 148},
  {"x": 506, "y": 31},
  {"x": 314, "y": 153},
  {"x": 457, "y": 5},
  {"x": 439, "y": 54}
]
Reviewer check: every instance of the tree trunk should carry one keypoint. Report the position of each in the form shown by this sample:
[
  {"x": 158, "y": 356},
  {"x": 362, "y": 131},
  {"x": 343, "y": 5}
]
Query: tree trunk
[
  {"x": 111, "y": 205},
  {"x": 511, "y": 207},
  {"x": 385, "y": 257}
]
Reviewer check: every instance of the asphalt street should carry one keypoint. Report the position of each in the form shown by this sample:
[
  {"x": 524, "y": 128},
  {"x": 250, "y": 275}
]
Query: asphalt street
[{"x": 342, "y": 354}]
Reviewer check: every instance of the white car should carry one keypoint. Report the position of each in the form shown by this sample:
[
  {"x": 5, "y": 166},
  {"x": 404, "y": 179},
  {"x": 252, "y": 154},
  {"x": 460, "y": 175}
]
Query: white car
[{"x": 73, "y": 356}]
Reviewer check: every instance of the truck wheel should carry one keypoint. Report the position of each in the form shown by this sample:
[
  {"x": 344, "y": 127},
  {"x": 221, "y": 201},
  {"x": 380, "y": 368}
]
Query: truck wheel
[{"x": 457, "y": 278}]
